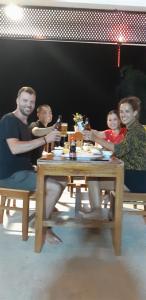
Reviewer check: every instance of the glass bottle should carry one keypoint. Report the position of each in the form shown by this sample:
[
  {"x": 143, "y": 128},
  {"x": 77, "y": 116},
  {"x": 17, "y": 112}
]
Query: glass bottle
[
  {"x": 57, "y": 126},
  {"x": 58, "y": 123},
  {"x": 72, "y": 150},
  {"x": 87, "y": 125}
]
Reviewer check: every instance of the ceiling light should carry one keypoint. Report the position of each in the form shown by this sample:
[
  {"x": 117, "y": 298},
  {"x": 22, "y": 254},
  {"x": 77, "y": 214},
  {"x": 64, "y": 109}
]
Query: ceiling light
[
  {"x": 120, "y": 38},
  {"x": 14, "y": 12}
]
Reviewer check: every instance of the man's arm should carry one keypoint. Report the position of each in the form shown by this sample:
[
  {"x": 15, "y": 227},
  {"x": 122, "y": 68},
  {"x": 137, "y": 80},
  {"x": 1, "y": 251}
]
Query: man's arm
[
  {"x": 36, "y": 131},
  {"x": 16, "y": 146}
]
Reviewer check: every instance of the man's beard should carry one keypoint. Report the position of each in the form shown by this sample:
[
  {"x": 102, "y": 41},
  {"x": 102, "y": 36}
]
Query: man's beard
[{"x": 24, "y": 113}]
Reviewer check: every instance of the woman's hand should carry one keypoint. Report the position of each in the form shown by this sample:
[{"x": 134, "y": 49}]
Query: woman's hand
[{"x": 89, "y": 135}]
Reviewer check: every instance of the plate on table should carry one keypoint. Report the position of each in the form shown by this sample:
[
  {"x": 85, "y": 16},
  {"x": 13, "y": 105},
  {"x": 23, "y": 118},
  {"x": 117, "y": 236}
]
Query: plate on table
[{"x": 84, "y": 155}]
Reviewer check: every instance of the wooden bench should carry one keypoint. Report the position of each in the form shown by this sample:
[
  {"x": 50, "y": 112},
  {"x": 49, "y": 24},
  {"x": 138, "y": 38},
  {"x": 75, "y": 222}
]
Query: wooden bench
[{"x": 130, "y": 198}]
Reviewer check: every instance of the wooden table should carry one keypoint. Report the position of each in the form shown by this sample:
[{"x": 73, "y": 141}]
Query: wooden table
[{"x": 66, "y": 167}]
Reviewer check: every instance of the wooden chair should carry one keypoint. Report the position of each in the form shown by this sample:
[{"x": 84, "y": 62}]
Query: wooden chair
[
  {"x": 25, "y": 196},
  {"x": 130, "y": 198},
  {"x": 136, "y": 199},
  {"x": 78, "y": 137}
]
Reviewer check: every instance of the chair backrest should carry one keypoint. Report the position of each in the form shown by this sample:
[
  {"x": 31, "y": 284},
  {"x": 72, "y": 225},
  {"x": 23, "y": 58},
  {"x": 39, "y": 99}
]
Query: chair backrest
[
  {"x": 139, "y": 203},
  {"x": 78, "y": 136},
  {"x": 134, "y": 197}
]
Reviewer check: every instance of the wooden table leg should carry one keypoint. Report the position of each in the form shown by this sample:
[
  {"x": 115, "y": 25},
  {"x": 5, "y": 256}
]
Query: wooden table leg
[
  {"x": 39, "y": 212},
  {"x": 118, "y": 212}
]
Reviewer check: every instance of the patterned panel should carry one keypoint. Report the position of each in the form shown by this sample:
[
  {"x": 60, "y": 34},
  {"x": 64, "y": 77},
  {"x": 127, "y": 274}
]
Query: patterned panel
[{"x": 76, "y": 25}]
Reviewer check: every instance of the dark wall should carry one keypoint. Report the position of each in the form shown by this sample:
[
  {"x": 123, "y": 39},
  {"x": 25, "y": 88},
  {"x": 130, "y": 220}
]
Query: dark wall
[{"x": 71, "y": 77}]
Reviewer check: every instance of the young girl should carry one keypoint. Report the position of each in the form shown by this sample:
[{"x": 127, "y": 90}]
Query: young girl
[{"x": 115, "y": 133}]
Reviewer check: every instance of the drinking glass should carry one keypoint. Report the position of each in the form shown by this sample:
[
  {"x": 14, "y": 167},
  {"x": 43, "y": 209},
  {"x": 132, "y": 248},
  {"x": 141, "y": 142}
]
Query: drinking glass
[{"x": 64, "y": 127}]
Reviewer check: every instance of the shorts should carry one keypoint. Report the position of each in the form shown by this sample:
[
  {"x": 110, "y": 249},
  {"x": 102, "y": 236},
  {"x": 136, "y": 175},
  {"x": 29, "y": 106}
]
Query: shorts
[
  {"x": 135, "y": 180},
  {"x": 22, "y": 180}
]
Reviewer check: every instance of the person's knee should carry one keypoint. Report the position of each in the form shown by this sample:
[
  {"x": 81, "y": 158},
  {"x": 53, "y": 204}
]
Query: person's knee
[
  {"x": 93, "y": 184},
  {"x": 53, "y": 186},
  {"x": 63, "y": 183}
]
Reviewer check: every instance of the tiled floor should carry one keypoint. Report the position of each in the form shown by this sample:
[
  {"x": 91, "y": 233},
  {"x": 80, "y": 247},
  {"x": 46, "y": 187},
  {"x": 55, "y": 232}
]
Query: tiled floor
[{"x": 83, "y": 267}]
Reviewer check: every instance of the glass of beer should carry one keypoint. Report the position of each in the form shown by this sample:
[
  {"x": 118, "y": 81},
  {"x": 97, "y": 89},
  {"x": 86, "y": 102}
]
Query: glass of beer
[{"x": 64, "y": 127}]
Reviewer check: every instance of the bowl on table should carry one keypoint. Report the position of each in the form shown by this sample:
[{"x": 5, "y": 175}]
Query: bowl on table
[
  {"x": 107, "y": 154},
  {"x": 58, "y": 151}
]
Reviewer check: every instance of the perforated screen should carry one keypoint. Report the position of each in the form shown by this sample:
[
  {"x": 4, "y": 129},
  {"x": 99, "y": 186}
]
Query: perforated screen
[{"x": 76, "y": 25}]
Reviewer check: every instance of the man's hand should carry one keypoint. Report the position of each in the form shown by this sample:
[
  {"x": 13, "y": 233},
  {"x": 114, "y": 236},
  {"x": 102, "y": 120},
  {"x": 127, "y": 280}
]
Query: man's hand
[{"x": 53, "y": 136}]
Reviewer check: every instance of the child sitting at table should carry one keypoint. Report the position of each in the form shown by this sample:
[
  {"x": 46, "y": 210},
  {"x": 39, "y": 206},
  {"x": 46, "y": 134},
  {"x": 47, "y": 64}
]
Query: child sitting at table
[{"x": 115, "y": 133}]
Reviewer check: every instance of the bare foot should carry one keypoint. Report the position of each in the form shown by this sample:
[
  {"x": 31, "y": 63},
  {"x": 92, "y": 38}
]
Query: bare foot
[
  {"x": 85, "y": 209},
  {"x": 96, "y": 214},
  {"x": 55, "y": 210},
  {"x": 52, "y": 238}
]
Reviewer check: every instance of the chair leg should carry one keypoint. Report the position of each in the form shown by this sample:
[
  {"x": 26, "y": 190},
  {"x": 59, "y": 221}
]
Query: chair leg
[
  {"x": 144, "y": 216},
  {"x": 14, "y": 202},
  {"x": 112, "y": 207},
  {"x": 71, "y": 187},
  {"x": 2, "y": 203},
  {"x": 69, "y": 182},
  {"x": 25, "y": 218},
  {"x": 86, "y": 184},
  {"x": 8, "y": 204}
]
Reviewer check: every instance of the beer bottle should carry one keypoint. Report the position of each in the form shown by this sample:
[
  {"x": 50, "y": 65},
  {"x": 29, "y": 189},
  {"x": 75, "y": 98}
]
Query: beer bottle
[
  {"x": 57, "y": 126},
  {"x": 87, "y": 125},
  {"x": 72, "y": 150},
  {"x": 58, "y": 123}
]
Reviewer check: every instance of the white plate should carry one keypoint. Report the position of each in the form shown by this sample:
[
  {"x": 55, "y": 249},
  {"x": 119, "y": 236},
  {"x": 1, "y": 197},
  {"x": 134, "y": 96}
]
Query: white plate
[{"x": 83, "y": 154}]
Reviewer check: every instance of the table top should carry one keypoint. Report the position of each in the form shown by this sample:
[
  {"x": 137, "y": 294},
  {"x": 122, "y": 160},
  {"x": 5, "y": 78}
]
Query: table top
[
  {"x": 78, "y": 160},
  {"x": 79, "y": 167}
]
